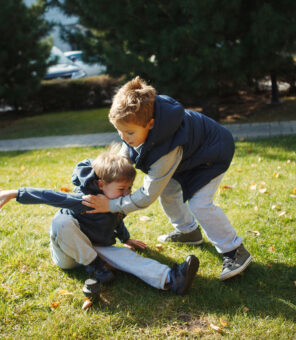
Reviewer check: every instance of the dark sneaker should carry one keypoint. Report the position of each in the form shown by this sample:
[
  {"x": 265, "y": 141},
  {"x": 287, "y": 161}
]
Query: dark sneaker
[
  {"x": 194, "y": 237},
  {"x": 235, "y": 264},
  {"x": 182, "y": 275},
  {"x": 99, "y": 271}
]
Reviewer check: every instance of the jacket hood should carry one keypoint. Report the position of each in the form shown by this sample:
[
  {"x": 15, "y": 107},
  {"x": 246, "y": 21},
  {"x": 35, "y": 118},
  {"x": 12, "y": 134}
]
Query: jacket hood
[{"x": 85, "y": 179}]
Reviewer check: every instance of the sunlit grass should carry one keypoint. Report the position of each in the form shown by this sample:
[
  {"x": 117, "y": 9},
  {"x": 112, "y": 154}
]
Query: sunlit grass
[{"x": 259, "y": 304}]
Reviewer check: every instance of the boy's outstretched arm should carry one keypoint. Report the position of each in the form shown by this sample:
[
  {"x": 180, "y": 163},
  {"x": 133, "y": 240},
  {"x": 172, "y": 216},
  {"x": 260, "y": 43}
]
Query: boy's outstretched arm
[{"x": 6, "y": 196}]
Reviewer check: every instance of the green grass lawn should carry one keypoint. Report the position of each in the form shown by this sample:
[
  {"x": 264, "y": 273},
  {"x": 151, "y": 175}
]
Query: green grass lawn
[
  {"x": 55, "y": 124},
  {"x": 258, "y": 195}
]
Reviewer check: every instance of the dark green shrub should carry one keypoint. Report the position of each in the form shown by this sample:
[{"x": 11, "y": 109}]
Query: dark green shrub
[{"x": 63, "y": 95}]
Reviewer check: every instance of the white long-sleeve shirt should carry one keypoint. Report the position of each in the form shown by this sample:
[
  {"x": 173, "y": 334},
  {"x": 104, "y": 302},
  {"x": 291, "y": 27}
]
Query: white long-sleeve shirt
[{"x": 154, "y": 182}]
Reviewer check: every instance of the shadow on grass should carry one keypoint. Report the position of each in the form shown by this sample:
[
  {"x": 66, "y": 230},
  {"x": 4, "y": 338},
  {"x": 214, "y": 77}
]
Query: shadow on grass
[{"x": 261, "y": 291}]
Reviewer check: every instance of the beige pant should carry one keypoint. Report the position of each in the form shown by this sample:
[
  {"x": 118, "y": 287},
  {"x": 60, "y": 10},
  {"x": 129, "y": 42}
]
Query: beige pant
[{"x": 70, "y": 247}]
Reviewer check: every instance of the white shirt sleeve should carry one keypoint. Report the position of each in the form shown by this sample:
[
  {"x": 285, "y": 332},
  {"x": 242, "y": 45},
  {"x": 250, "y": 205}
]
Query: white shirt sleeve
[{"x": 155, "y": 181}]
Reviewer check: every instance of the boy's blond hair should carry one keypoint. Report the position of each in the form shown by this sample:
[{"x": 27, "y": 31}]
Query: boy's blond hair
[
  {"x": 133, "y": 103},
  {"x": 112, "y": 167}
]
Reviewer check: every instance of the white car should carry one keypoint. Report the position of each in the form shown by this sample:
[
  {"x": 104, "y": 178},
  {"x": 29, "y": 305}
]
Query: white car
[
  {"x": 64, "y": 68},
  {"x": 90, "y": 69}
]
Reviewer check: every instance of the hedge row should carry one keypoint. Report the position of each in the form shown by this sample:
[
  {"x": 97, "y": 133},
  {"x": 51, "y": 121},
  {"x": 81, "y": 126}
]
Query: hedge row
[{"x": 62, "y": 95}]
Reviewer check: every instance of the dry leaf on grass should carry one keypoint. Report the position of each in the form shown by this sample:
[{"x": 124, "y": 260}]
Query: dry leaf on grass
[
  {"x": 158, "y": 246},
  {"x": 223, "y": 322},
  {"x": 255, "y": 232},
  {"x": 86, "y": 304},
  {"x": 263, "y": 190},
  {"x": 144, "y": 218},
  {"x": 64, "y": 292},
  {"x": 226, "y": 187},
  {"x": 272, "y": 248},
  {"x": 250, "y": 150},
  {"x": 64, "y": 189},
  {"x": 216, "y": 328},
  {"x": 55, "y": 304}
]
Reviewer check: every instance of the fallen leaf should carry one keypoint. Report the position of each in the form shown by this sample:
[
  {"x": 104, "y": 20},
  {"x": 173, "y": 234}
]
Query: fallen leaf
[
  {"x": 24, "y": 269},
  {"x": 86, "y": 304},
  {"x": 275, "y": 174},
  {"x": 275, "y": 206},
  {"x": 254, "y": 165},
  {"x": 197, "y": 330},
  {"x": 64, "y": 292},
  {"x": 144, "y": 218},
  {"x": 255, "y": 232},
  {"x": 253, "y": 186},
  {"x": 281, "y": 213},
  {"x": 272, "y": 248},
  {"x": 250, "y": 150},
  {"x": 64, "y": 189},
  {"x": 262, "y": 190},
  {"x": 216, "y": 328},
  {"x": 223, "y": 322},
  {"x": 226, "y": 187},
  {"x": 158, "y": 246},
  {"x": 55, "y": 304},
  {"x": 246, "y": 309}
]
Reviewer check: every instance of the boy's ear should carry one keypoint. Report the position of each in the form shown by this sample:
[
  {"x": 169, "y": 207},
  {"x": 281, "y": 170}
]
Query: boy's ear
[
  {"x": 100, "y": 184},
  {"x": 151, "y": 123}
]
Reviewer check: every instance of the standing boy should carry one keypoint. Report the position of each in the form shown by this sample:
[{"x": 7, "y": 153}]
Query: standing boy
[{"x": 184, "y": 155}]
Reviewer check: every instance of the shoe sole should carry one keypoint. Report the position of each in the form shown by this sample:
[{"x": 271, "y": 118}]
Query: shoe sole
[
  {"x": 237, "y": 271},
  {"x": 193, "y": 266}
]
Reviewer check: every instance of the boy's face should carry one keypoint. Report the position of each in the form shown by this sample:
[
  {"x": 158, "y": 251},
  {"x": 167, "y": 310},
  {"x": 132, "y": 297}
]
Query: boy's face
[
  {"x": 115, "y": 189},
  {"x": 133, "y": 134}
]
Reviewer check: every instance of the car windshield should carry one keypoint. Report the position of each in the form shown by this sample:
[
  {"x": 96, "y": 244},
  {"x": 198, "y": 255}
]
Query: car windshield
[{"x": 61, "y": 59}]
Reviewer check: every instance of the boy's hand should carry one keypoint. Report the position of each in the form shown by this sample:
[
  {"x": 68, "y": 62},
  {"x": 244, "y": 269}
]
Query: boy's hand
[
  {"x": 6, "y": 196},
  {"x": 135, "y": 244},
  {"x": 99, "y": 203}
]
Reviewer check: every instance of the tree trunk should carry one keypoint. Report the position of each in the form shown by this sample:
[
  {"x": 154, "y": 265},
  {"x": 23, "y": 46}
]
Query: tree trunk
[{"x": 274, "y": 89}]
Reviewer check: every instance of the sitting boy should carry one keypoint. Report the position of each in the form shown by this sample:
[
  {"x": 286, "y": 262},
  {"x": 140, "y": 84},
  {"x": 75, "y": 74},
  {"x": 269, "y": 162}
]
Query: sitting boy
[
  {"x": 184, "y": 155},
  {"x": 87, "y": 239}
]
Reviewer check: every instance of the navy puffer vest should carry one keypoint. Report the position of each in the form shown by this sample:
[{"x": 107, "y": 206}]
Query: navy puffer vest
[{"x": 208, "y": 147}]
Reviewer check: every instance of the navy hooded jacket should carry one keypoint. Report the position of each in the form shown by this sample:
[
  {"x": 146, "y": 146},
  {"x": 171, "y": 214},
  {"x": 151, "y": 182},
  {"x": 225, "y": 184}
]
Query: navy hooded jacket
[
  {"x": 208, "y": 147},
  {"x": 100, "y": 228}
]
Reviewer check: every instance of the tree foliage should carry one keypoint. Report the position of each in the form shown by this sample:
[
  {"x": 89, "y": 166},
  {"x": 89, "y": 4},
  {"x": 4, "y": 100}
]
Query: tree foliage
[
  {"x": 188, "y": 48},
  {"x": 23, "y": 53}
]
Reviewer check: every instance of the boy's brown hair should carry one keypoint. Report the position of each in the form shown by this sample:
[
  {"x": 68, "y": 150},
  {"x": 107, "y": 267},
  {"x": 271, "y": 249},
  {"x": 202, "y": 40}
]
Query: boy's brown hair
[
  {"x": 133, "y": 103},
  {"x": 112, "y": 167}
]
